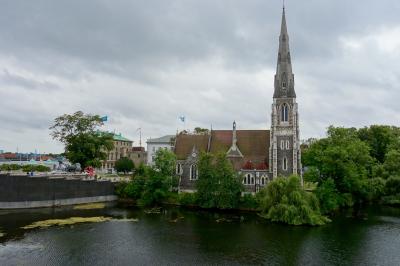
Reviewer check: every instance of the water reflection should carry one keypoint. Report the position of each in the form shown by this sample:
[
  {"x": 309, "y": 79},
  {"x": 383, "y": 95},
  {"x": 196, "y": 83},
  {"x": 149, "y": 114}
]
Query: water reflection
[{"x": 177, "y": 236}]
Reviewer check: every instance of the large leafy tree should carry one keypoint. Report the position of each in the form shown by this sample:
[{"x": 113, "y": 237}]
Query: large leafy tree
[
  {"x": 124, "y": 164},
  {"x": 218, "y": 185},
  {"x": 79, "y": 133},
  {"x": 207, "y": 184},
  {"x": 165, "y": 162},
  {"x": 349, "y": 164}
]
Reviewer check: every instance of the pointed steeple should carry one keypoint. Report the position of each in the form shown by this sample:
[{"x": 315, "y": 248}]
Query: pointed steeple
[
  {"x": 234, "y": 150},
  {"x": 284, "y": 78}
]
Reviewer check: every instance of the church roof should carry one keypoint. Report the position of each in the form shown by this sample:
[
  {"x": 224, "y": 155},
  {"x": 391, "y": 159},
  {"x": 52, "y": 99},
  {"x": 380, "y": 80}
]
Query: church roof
[
  {"x": 185, "y": 143},
  {"x": 253, "y": 144}
]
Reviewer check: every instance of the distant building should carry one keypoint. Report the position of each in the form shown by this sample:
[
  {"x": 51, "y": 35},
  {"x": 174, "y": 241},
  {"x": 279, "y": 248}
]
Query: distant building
[
  {"x": 122, "y": 148},
  {"x": 138, "y": 155},
  {"x": 153, "y": 145}
]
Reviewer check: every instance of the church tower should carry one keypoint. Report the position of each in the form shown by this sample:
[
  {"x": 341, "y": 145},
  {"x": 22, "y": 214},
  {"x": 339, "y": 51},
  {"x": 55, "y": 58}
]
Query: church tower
[{"x": 284, "y": 153}]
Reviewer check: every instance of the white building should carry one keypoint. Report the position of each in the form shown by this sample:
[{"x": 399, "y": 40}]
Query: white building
[{"x": 153, "y": 145}]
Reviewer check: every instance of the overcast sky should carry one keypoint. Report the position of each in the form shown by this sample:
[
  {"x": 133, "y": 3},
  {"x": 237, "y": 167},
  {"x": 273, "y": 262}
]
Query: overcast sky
[{"x": 145, "y": 63}]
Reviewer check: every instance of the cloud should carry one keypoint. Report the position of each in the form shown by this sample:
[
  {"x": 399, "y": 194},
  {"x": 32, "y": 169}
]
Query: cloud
[{"x": 145, "y": 63}]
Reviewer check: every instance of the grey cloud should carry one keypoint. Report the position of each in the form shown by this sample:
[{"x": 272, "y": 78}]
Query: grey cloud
[
  {"x": 28, "y": 83},
  {"x": 146, "y": 62}
]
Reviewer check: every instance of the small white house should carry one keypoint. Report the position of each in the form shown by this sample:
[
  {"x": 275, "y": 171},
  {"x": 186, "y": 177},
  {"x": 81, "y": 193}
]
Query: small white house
[{"x": 153, "y": 145}]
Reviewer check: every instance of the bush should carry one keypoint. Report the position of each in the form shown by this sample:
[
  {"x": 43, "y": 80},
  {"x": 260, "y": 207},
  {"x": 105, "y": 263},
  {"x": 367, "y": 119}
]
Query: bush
[
  {"x": 187, "y": 199},
  {"x": 285, "y": 201},
  {"x": 248, "y": 201},
  {"x": 10, "y": 167},
  {"x": 155, "y": 189},
  {"x": 41, "y": 168},
  {"x": 28, "y": 168},
  {"x": 35, "y": 168},
  {"x": 120, "y": 189},
  {"x": 134, "y": 189}
]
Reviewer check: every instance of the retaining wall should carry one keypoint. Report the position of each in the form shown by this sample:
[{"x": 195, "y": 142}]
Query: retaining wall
[{"x": 32, "y": 192}]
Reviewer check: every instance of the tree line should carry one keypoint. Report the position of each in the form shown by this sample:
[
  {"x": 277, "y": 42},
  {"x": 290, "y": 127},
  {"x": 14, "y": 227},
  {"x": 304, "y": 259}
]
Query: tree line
[{"x": 354, "y": 166}]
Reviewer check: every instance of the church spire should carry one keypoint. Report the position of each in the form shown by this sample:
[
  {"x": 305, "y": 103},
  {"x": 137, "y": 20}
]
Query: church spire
[{"x": 284, "y": 78}]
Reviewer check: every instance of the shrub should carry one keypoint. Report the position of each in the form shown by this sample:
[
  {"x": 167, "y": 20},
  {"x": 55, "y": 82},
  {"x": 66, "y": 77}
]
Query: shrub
[
  {"x": 285, "y": 201},
  {"x": 41, "y": 168},
  {"x": 188, "y": 199},
  {"x": 134, "y": 189},
  {"x": 248, "y": 201},
  {"x": 120, "y": 189}
]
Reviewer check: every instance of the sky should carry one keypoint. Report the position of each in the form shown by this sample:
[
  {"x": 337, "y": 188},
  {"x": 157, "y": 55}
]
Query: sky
[{"x": 145, "y": 63}]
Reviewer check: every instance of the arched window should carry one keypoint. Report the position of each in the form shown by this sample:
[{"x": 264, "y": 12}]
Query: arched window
[
  {"x": 193, "y": 172},
  {"x": 252, "y": 180},
  {"x": 179, "y": 168},
  {"x": 248, "y": 179},
  {"x": 284, "y": 164},
  {"x": 263, "y": 181},
  {"x": 282, "y": 144},
  {"x": 287, "y": 145},
  {"x": 284, "y": 112}
]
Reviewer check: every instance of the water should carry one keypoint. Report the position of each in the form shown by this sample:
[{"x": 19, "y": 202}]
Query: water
[{"x": 197, "y": 238}]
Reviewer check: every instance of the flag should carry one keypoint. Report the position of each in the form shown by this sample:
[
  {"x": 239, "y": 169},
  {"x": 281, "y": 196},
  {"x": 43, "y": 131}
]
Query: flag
[
  {"x": 104, "y": 118},
  {"x": 182, "y": 118}
]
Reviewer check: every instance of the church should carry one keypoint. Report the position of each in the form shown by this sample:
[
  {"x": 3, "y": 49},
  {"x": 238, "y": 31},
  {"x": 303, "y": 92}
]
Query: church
[{"x": 258, "y": 156}]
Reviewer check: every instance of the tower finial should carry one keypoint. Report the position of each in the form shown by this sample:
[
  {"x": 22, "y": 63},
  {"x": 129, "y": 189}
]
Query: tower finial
[{"x": 283, "y": 5}]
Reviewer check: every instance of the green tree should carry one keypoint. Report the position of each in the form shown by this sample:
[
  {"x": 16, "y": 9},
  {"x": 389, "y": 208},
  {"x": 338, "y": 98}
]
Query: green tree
[
  {"x": 379, "y": 138},
  {"x": 134, "y": 189},
  {"x": 165, "y": 162},
  {"x": 342, "y": 157},
  {"x": 125, "y": 165},
  {"x": 207, "y": 183},
  {"x": 229, "y": 183},
  {"x": 83, "y": 142},
  {"x": 155, "y": 189},
  {"x": 328, "y": 196},
  {"x": 218, "y": 185},
  {"x": 392, "y": 163},
  {"x": 285, "y": 201},
  {"x": 200, "y": 130}
]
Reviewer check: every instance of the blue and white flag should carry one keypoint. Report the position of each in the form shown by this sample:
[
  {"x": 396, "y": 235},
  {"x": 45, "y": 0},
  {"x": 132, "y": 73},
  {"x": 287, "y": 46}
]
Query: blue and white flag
[
  {"x": 104, "y": 118},
  {"x": 182, "y": 118}
]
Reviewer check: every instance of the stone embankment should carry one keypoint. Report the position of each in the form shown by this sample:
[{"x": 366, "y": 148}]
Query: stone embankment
[{"x": 23, "y": 191}]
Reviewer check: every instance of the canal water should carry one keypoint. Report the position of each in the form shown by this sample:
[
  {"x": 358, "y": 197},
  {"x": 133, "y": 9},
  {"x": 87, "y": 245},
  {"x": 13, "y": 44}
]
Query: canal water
[{"x": 182, "y": 237}]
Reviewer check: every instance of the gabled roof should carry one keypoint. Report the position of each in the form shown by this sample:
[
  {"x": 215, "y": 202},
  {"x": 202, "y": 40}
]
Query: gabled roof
[
  {"x": 253, "y": 144},
  {"x": 185, "y": 143},
  {"x": 164, "y": 139}
]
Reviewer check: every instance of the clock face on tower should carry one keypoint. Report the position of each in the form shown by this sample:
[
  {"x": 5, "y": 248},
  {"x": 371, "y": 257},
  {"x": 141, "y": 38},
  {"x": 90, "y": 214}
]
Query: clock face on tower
[{"x": 194, "y": 154}]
